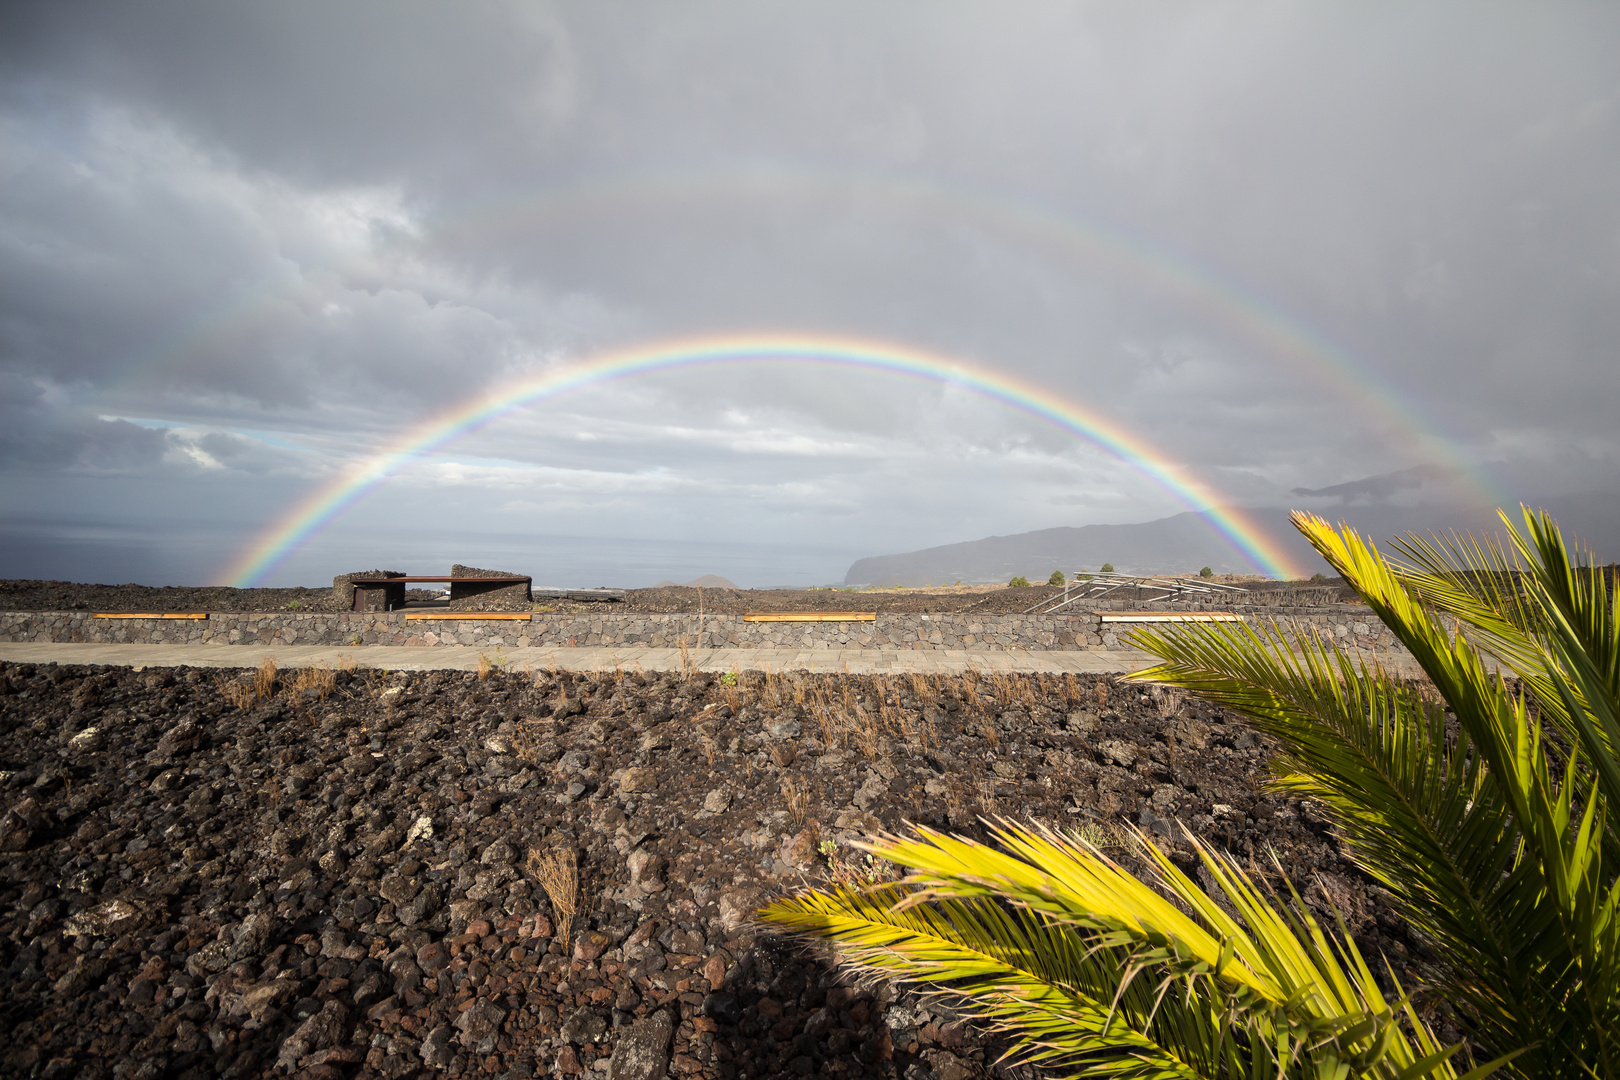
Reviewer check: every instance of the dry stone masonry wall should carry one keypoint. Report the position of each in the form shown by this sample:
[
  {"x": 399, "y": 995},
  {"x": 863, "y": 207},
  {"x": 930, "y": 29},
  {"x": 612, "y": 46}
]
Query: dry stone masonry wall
[{"x": 967, "y": 633}]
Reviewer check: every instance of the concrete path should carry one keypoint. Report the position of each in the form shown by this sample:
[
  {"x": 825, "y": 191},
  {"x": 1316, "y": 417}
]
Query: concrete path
[{"x": 463, "y": 658}]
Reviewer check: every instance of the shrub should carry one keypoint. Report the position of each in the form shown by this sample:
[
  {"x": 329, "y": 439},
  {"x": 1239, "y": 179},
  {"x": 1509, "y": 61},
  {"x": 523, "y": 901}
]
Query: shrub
[
  {"x": 1019, "y": 582},
  {"x": 1318, "y": 577},
  {"x": 1206, "y": 572},
  {"x": 1107, "y": 568},
  {"x": 1056, "y": 578}
]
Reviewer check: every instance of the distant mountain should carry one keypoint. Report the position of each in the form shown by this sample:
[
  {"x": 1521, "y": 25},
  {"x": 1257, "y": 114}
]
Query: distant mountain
[
  {"x": 1186, "y": 542},
  {"x": 1174, "y": 543}
]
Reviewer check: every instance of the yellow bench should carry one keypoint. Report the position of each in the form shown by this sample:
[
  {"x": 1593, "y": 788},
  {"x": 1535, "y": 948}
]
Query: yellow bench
[
  {"x": 1170, "y": 616},
  {"x": 513, "y": 616},
  {"x": 122, "y": 615},
  {"x": 813, "y": 616}
]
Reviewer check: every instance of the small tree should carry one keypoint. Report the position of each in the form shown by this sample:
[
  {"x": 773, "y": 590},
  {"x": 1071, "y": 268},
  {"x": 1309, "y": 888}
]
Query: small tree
[
  {"x": 1318, "y": 577},
  {"x": 1206, "y": 572},
  {"x": 1019, "y": 582},
  {"x": 1056, "y": 578},
  {"x": 1107, "y": 568}
]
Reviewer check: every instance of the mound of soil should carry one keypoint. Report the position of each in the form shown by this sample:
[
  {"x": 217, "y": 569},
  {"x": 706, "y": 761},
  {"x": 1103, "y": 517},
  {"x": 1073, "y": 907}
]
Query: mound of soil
[{"x": 337, "y": 874}]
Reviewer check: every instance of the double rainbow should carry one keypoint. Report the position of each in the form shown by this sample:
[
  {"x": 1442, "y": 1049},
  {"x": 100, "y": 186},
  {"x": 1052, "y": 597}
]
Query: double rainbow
[{"x": 319, "y": 510}]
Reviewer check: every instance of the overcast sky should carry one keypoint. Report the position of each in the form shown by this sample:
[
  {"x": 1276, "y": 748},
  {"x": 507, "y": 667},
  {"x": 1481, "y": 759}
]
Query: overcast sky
[{"x": 1293, "y": 246}]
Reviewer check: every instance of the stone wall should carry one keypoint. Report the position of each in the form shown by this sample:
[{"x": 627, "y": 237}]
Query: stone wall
[
  {"x": 274, "y": 628},
  {"x": 472, "y": 596},
  {"x": 343, "y": 587},
  {"x": 1351, "y": 626}
]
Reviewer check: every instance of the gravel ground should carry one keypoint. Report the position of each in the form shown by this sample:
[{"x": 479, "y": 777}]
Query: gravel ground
[{"x": 339, "y": 874}]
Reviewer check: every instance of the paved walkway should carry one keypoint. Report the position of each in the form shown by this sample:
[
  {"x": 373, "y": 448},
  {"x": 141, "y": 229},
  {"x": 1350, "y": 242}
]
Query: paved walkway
[{"x": 463, "y": 658}]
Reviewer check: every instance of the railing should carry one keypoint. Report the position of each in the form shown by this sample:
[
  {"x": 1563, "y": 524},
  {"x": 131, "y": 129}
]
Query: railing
[{"x": 1152, "y": 590}]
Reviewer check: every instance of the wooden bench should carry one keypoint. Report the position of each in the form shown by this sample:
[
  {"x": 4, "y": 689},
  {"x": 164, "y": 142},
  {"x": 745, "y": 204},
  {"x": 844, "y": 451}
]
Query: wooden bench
[
  {"x": 390, "y": 591},
  {"x": 125, "y": 615},
  {"x": 812, "y": 616},
  {"x": 1170, "y": 616},
  {"x": 473, "y": 616}
]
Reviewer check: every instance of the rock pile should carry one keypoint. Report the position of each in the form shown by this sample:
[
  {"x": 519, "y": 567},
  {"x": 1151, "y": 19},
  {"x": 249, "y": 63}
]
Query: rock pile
[{"x": 355, "y": 873}]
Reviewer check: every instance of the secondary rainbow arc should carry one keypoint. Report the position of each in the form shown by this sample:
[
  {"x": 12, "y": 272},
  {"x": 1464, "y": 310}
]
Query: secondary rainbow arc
[
  {"x": 1203, "y": 287},
  {"x": 1217, "y": 293},
  {"x": 314, "y": 513}
]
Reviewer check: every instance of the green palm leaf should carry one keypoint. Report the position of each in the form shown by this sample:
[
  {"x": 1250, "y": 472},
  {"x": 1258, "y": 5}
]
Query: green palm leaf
[
  {"x": 1551, "y": 615},
  {"x": 1096, "y": 972}
]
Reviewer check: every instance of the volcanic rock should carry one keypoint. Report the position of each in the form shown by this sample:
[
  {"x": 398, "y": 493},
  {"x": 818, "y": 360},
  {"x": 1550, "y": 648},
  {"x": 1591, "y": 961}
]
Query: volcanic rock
[{"x": 358, "y": 886}]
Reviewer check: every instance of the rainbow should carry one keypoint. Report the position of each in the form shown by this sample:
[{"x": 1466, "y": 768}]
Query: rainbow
[
  {"x": 1222, "y": 297},
  {"x": 320, "y": 509}
]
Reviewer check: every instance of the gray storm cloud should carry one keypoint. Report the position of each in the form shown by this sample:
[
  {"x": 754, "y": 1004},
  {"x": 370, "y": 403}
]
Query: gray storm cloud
[{"x": 1292, "y": 248}]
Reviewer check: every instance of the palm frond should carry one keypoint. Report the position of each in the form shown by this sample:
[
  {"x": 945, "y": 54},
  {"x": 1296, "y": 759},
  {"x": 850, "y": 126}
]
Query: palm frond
[
  {"x": 1416, "y": 810},
  {"x": 1489, "y": 842},
  {"x": 1552, "y": 615},
  {"x": 1090, "y": 969}
]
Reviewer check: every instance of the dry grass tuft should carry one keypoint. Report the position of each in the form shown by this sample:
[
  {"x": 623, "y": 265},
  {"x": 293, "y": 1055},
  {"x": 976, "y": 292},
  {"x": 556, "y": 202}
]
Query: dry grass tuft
[
  {"x": 1103, "y": 836},
  {"x": 526, "y": 743},
  {"x": 1167, "y": 701},
  {"x": 264, "y": 681},
  {"x": 920, "y": 687},
  {"x": 321, "y": 679},
  {"x": 987, "y": 728},
  {"x": 925, "y": 733},
  {"x": 245, "y": 691},
  {"x": 771, "y": 692},
  {"x": 797, "y": 797},
  {"x": 1000, "y": 687},
  {"x": 237, "y": 691},
  {"x": 831, "y": 735},
  {"x": 557, "y": 874},
  {"x": 867, "y": 738}
]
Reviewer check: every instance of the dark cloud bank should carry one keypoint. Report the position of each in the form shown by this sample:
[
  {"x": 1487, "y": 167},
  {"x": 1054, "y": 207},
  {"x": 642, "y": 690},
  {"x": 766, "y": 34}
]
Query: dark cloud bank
[{"x": 1360, "y": 259}]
